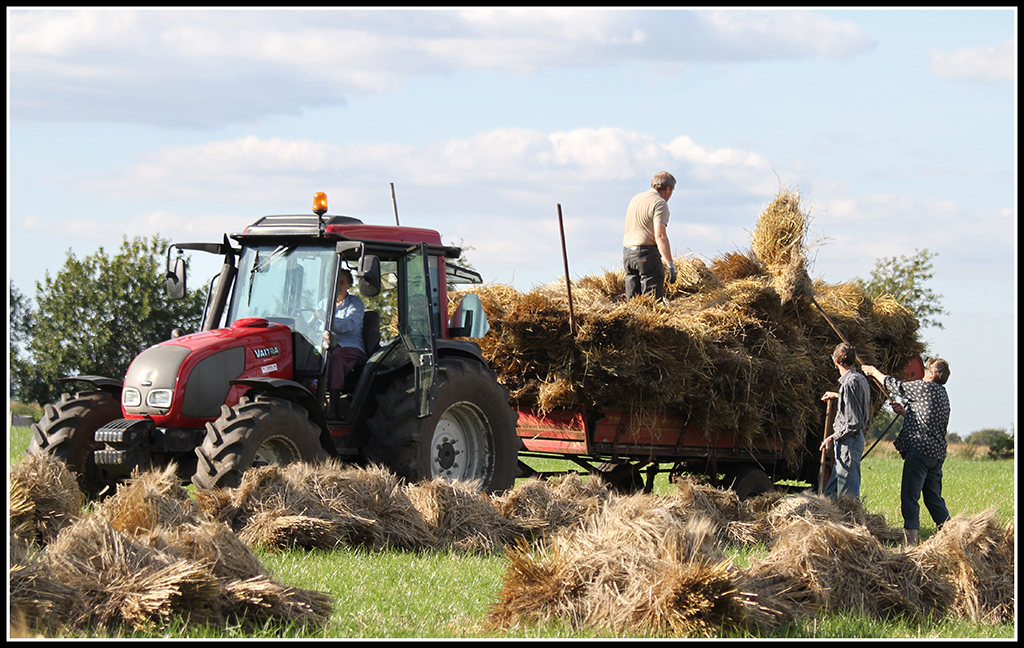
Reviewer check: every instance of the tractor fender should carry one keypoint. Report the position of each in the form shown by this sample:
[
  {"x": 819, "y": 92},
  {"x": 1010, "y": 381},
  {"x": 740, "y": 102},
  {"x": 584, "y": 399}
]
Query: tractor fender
[
  {"x": 465, "y": 348},
  {"x": 296, "y": 393},
  {"x": 102, "y": 383}
]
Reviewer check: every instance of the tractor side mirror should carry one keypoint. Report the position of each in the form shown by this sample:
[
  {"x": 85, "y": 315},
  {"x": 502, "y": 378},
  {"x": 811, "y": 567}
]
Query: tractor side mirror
[
  {"x": 369, "y": 276},
  {"x": 176, "y": 278}
]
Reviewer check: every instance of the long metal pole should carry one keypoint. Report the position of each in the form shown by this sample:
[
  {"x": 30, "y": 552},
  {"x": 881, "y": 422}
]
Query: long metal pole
[{"x": 568, "y": 283}]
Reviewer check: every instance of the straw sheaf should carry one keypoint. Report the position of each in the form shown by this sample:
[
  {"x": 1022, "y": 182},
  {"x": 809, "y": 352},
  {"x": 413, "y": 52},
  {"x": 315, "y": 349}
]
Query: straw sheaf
[
  {"x": 145, "y": 579},
  {"x": 549, "y": 505},
  {"x": 37, "y": 599},
  {"x": 840, "y": 568},
  {"x": 150, "y": 499},
  {"x": 321, "y": 505},
  {"x": 641, "y": 564},
  {"x": 462, "y": 517},
  {"x": 123, "y": 583},
  {"x": 44, "y": 497},
  {"x": 976, "y": 555}
]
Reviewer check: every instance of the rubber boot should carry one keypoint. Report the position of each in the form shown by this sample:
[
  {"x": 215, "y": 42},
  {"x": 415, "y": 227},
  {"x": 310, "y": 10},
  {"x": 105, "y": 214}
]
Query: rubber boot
[{"x": 911, "y": 536}]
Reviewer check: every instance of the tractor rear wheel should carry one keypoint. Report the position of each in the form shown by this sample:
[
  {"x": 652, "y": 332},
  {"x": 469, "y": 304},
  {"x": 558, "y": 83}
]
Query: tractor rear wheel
[
  {"x": 255, "y": 432},
  {"x": 470, "y": 436},
  {"x": 67, "y": 431}
]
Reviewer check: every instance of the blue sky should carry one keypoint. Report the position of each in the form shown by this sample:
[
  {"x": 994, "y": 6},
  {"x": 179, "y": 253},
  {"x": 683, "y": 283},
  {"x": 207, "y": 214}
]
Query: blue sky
[{"x": 898, "y": 128}]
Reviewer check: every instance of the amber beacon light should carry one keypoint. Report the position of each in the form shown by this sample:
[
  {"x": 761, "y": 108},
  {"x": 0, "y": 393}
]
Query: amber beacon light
[{"x": 319, "y": 203}]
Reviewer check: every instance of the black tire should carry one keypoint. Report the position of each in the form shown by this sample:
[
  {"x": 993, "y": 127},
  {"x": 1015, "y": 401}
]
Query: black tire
[
  {"x": 253, "y": 433},
  {"x": 624, "y": 478},
  {"x": 470, "y": 436},
  {"x": 748, "y": 482},
  {"x": 67, "y": 432}
]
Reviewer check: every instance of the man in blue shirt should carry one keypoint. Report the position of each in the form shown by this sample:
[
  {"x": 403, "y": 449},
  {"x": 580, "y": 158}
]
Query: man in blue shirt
[
  {"x": 348, "y": 331},
  {"x": 854, "y": 410}
]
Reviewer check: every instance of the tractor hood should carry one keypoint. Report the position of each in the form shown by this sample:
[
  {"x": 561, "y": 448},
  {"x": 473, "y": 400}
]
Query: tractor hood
[{"x": 183, "y": 382}]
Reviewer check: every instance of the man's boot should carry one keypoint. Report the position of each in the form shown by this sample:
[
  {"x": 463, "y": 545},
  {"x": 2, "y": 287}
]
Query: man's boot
[{"x": 911, "y": 537}]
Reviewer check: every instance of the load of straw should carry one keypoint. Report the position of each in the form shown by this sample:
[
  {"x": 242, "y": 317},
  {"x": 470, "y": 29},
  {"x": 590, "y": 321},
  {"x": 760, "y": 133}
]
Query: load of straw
[{"x": 738, "y": 347}]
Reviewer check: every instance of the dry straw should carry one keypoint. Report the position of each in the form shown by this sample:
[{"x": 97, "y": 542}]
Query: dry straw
[
  {"x": 976, "y": 555},
  {"x": 44, "y": 497},
  {"x": 143, "y": 558},
  {"x": 578, "y": 553}
]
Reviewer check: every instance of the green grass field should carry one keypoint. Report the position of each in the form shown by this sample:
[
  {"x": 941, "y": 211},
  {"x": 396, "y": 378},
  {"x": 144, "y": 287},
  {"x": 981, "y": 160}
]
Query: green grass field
[{"x": 393, "y": 594}]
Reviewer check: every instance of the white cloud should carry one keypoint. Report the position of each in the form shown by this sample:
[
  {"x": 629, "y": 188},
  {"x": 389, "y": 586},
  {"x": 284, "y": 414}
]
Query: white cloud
[
  {"x": 976, "y": 64},
  {"x": 788, "y": 33},
  {"x": 190, "y": 67},
  {"x": 251, "y": 170}
]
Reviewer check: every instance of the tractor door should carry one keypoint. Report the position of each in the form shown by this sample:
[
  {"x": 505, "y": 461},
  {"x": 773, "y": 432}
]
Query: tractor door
[{"x": 416, "y": 325}]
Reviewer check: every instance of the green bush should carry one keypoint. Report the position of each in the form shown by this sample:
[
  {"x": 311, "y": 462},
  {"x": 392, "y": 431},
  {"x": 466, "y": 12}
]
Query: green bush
[
  {"x": 999, "y": 442},
  {"x": 1001, "y": 448}
]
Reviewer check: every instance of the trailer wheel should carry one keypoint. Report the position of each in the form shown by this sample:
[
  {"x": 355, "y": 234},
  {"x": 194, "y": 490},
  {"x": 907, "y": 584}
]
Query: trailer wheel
[
  {"x": 255, "y": 432},
  {"x": 67, "y": 431},
  {"x": 625, "y": 478},
  {"x": 748, "y": 482},
  {"x": 470, "y": 436}
]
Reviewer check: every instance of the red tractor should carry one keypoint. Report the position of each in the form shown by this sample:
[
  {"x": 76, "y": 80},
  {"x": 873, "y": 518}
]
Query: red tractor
[{"x": 254, "y": 391}]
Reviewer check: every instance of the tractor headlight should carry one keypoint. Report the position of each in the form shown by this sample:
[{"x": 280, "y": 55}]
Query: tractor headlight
[
  {"x": 159, "y": 398},
  {"x": 131, "y": 397}
]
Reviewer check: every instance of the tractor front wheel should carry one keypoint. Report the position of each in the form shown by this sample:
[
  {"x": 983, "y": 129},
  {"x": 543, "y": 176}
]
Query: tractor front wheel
[
  {"x": 255, "y": 432},
  {"x": 67, "y": 432}
]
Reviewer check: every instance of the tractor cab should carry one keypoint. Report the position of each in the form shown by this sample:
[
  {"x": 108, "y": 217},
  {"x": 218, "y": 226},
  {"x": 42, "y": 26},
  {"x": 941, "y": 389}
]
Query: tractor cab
[{"x": 285, "y": 273}]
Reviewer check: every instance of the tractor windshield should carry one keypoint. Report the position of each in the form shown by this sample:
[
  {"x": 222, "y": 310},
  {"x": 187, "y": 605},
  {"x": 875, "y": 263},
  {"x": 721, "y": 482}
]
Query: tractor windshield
[{"x": 290, "y": 285}]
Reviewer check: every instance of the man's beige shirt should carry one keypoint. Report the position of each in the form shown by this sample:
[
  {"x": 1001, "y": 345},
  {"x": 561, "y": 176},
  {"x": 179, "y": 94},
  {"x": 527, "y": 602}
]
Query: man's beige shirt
[{"x": 644, "y": 210}]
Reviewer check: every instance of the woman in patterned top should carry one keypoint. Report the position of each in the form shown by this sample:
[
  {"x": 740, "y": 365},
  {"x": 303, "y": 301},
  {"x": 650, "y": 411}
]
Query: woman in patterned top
[{"x": 921, "y": 442}]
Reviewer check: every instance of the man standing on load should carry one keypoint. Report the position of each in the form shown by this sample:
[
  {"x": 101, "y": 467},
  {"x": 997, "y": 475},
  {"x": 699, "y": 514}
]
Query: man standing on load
[{"x": 645, "y": 242}]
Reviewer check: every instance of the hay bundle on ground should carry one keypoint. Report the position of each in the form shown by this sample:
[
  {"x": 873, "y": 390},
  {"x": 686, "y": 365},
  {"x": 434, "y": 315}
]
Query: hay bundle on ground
[
  {"x": 463, "y": 517},
  {"x": 211, "y": 544},
  {"x": 259, "y": 600},
  {"x": 122, "y": 583},
  {"x": 976, "y": 555},
  {"x": 38, "y": 601},
  {"x": 44, "y": 497},
  {"x": 639, "y": 565},
  {"x": 321, "y": 505},
  {"x": 552, "y": 504},
  {"x": 153, "y": 507},
  {"x": 373, "y": 492},
  {"x": 718, "y": 505},
  {"x": 822, "y": 564},
  {"x": 741, "y": 353},
  {"x": 768, "y": 516},
  {"x": 278, "y": 506},
  {"x": 148, "y": 500},
  {"x": 165, "y": 567}
]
